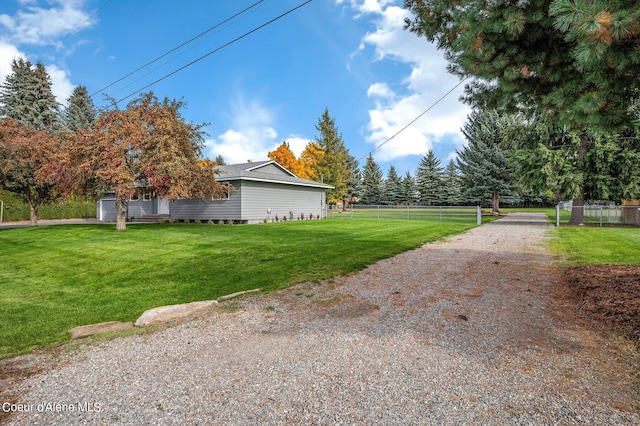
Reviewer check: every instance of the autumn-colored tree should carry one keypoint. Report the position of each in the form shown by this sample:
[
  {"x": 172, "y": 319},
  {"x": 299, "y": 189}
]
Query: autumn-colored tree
[
  {"x": 283, "y": 156},
  {"x": 150, "y": 144},
  {"x": 33, "y": 165},
  {"x": 309, "y": 160}
]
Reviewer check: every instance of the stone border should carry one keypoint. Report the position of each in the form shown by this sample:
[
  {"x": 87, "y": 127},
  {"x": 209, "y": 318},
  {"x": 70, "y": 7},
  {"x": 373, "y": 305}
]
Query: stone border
[{"x": 154, "y": 316}]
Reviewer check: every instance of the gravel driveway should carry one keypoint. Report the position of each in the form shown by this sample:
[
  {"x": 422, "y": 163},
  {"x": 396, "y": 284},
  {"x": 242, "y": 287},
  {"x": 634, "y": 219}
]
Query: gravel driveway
[{"x": 463, "y": 331}]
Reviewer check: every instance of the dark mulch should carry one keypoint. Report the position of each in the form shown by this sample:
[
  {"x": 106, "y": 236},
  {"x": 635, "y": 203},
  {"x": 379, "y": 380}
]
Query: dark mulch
[{"x": 609, "y": 295}]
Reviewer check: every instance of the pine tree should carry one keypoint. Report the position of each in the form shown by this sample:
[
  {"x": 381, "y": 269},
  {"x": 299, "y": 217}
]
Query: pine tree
[
  {"x": 332, "y": 166},
  {"x": 429, "y": 179},
  {"x": 575, "y": 60},
  {"x": 451, "y": 186},
  {"x": 392, "y": 193},
  {"x": 372, "y": 183},
  {"x": 219, "y": 160},
  {"x": 409, "y": 191},
  {"x": 26, "y": 96},
  {"x": 80, "y": 113},
  {"x": 484, "y": 162}
]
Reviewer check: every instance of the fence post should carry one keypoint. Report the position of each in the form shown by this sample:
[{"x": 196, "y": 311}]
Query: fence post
[
  {"x": 557, "y": 214},
  {"x": 478, "y": 215},
  {"x": 1, "y": 210},
  {"x": 601, "y": 211}
]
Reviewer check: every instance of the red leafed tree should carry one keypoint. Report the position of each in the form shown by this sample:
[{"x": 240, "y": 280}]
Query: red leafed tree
[
  {"x": 34, "y": 165},
  {"x": 150, "y": 144}
]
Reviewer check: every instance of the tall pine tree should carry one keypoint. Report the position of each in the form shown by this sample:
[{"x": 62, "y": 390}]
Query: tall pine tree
[
  {"x": 429, "y": 179},
  {"x": 392, "y": 193},
  {"x": 26, "y": 96},
  {"x": 332, "y": 165},
  {"x": 575, "y": 60},
  {"x": 451, "y": 186},
  {"x": 484, "y": 162},
  {"x": 372, "y": 183},
  {"x": 409, "y": 192},
  {"x": 80, "y": 113}
]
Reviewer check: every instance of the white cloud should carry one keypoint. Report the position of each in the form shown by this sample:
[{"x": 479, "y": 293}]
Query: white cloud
[
  {"x": 8, "y": 52},
  {"x": 61, "y": 86},
  {"x": 43, "y": 26},
  {"x": 423, "y": 86},
  {"x": 250, "y": 137}
]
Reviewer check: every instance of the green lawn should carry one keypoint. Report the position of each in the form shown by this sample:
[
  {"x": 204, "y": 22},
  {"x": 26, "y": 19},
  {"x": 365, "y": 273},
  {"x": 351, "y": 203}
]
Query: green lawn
[
  {"x": 596, "y": 245},
  {"x": 57, "y": 277}
]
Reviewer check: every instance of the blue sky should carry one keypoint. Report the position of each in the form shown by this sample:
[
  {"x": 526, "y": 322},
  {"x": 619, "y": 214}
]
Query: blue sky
[{"x": 350, "y": 56}]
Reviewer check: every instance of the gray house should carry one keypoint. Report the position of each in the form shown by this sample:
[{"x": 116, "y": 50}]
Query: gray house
[{"x": 264, "y": 190}]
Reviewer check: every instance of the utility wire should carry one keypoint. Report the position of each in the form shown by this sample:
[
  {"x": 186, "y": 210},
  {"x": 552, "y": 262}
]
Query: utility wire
[
  {"x": 90, "y": 16},
  {"x": 178, "y": 47},
  {"x": 414, "y": 120},
  {"x": 217, "y": 49}
]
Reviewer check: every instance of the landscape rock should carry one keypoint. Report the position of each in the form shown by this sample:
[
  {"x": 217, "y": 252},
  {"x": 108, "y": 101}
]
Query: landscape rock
[
  {"x": 172, "y": 312},
  {"x": 239, "y": 293},
  {"x": 102, "y": 327}
]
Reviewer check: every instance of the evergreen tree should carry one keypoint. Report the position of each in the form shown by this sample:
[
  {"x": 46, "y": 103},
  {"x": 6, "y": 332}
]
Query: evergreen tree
[
  {"x": 26, "y": 96},
  {"x": 219, "y": 160},
  {"x": 80, "y": 113},
  {"x": 484, "y": 162},
  {"x": 429, "y": 179},
  {"x": 333, "y": 164},
  {"x": 409, "y": 191},
  {"x": 372, "y": 183},
  {"x": 392, "y": 188},
  {"x": 451, "y": 186},
  {"x": 576, "y": 60}
]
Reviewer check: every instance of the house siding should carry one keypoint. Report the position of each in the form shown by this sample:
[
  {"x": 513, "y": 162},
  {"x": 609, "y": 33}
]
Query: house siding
[
  {"x": 257, "y": 197},
  {"x": 198, "y": 209},
  {"x": 139, "y": 208}
]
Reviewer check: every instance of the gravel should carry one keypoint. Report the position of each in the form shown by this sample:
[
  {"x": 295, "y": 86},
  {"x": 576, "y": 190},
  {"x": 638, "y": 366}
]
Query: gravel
[{"x": 463, "y": 331}]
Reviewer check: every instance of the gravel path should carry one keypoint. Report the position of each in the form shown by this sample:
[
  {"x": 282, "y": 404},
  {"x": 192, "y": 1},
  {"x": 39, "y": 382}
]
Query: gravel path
[{"x": 463, "y": 331}]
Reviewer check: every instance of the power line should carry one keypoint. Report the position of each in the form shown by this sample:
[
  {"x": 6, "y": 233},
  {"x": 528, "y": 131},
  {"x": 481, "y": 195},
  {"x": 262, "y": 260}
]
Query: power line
[
  {"x": 414, "y": 120},
  {"x": 217, "y": 49},
  {"x": 178, "y": 47},
  {"x": 90, "y": 16}
]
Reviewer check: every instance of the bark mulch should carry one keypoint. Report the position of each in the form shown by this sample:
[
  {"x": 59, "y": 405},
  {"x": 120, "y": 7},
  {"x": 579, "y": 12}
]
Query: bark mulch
[{"x": 608, "y": 295}]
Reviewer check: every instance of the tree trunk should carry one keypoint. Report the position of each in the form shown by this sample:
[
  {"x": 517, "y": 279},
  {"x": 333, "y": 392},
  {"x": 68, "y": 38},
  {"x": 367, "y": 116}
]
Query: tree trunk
[
  {"x": 577, "y": 210},
  {"x": 33, "y": 215},
  {"x": 495, "y": 203},
  {"x": 121, "y": 214}
]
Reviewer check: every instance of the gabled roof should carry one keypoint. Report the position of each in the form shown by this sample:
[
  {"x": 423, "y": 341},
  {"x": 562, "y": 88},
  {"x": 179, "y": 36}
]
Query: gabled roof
[{"x": 258, "y": 171}]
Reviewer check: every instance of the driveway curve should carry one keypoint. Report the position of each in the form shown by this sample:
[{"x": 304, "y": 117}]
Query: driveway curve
[{"x": 463, "y": 331}]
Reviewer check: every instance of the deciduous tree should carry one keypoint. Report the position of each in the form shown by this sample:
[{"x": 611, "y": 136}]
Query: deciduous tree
[
  {"x": 149, "y": 143},
  {"x": 33, "y": 165}
]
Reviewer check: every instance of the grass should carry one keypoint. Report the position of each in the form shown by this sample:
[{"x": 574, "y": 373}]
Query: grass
[
  {"x": 57, "y": 277},
  {"x": 596, "y": 245}
]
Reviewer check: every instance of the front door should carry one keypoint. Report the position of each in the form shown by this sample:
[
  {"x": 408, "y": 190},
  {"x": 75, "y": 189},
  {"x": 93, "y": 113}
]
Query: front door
[{"x": 163, "y": 205}]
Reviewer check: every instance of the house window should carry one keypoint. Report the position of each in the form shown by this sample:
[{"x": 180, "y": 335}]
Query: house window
[
  {"x": 146, "y": 196},
  {"x": 221, "y": 197}
]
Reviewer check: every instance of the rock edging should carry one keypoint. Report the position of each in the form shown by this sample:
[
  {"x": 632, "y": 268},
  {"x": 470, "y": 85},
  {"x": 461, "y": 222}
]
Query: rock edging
[{"x": 153, "y": 316}]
